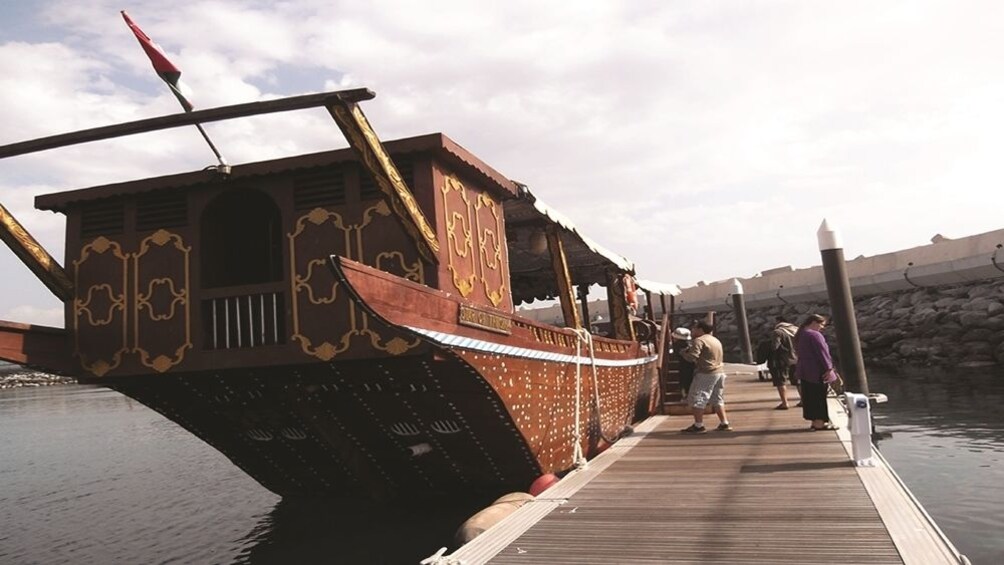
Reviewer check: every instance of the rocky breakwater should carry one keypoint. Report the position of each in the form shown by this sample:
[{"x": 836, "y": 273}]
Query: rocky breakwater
[
  {"x": 16, "y": 376},
  {"x": 960, "y": 325}
]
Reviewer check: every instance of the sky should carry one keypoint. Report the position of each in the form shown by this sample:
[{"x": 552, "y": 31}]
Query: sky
[{"x": 701, "y": 140}]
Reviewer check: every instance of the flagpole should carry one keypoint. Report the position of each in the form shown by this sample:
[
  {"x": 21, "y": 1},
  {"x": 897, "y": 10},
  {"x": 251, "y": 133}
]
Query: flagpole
[
  {"x": 172, "y": 77},
  {"x": 224, "y": 166}
]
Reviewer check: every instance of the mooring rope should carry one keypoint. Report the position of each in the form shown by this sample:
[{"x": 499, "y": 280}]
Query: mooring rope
[{"x": 583, "y": 336}]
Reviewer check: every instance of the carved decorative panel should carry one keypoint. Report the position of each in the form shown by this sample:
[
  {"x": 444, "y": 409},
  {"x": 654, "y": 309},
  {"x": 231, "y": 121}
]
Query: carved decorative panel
[
  {"x": 162, "y": 300},
  {"x": 491, "y": 249},
  {"x": 474, "y": 236},
  {"x": 458, "y": 216},
  {"x": 326, "y": 323},
  {"x": 99, "y": 306}
]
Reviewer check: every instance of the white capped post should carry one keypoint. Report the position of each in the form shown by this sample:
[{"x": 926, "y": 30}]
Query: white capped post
[
  {"x": 842, "y": 308},
  {"x": 739, "y": 304},
  {"x": 828, "y": 237}
]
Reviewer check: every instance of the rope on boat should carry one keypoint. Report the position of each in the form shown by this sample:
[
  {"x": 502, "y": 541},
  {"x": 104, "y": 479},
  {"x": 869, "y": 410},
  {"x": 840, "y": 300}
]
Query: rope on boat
[
  {"x": 584, "y": 337},
  {"x": 440, "y": 558}
]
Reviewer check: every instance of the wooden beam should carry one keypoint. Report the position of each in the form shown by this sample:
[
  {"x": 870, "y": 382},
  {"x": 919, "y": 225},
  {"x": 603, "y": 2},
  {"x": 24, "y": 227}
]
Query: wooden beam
[
  {"x": 39, "y": 347},
  {"x": 566, "y": 292},
  {"x": 34, "y": 256},
  {"x": 620, "y": 319},
  {"x": 187, "y": 119},
  {"x": 583, "y": 292},
  {"x": 361, "y": 137}
]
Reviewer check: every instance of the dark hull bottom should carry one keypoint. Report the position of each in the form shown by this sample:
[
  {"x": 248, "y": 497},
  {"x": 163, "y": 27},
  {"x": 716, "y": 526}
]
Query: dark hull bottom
[{"x": 388, "y": 429}]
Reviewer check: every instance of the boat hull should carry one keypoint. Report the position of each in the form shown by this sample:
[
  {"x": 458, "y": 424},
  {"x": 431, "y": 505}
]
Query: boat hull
[{"x": 471, "y": 410}]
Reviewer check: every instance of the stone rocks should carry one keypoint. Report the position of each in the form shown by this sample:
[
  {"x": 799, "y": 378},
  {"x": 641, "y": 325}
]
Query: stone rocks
[
  {"x": 29, "y": 378},
  {"x": 960, "y": 325}
]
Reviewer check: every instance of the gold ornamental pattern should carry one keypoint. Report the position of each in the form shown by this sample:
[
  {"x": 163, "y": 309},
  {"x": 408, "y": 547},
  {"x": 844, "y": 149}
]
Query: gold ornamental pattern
[
  {"x": 475, "y": 248},
  {"x": 178, "y": 298},
  {"x": 459, "y": 239},
  {"x": 363, "y": 139},
  {"x": 107, "y": 295},
  {"x": 490, "y": 249},
  {"x": 34, "y": 255},
  {"x": 313, "y": 283}
]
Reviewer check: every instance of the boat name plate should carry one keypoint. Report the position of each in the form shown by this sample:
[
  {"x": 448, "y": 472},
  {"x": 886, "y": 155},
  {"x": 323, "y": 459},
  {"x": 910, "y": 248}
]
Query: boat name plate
[{"x": 481, "y": 319}]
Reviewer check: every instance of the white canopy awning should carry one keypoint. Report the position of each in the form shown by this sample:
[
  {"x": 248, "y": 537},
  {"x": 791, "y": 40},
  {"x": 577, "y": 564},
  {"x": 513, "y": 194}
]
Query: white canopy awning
[{"x": 663, "y": 289}]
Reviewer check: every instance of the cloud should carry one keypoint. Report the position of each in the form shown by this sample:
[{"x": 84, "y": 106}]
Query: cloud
[
  {"x": 701, "y": 140},
  {"x": 27, "y": 313}
]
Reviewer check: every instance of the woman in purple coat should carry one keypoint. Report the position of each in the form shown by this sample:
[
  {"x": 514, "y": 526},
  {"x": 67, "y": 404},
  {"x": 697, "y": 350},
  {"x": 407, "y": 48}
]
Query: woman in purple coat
[{"x": 814, "y": 368}]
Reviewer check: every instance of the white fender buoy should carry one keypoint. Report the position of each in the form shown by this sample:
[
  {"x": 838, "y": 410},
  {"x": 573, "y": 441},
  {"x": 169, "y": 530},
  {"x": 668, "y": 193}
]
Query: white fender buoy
[{"x": 478, "y": 523}]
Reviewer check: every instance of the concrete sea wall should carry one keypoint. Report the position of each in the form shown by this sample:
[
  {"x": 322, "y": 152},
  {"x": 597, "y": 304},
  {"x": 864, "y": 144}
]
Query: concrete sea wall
[{"x": 959, "y": 325}]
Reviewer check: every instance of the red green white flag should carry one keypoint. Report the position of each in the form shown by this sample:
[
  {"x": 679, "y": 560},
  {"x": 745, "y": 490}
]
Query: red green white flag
[{"x": 164, "y": 67}]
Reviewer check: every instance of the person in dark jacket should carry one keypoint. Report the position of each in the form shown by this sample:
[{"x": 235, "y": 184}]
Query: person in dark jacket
[{"x": 781, "y": 359}]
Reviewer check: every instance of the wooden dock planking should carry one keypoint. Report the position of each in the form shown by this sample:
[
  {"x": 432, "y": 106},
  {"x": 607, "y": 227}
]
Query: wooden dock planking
[{"x": 769, "y": 492}]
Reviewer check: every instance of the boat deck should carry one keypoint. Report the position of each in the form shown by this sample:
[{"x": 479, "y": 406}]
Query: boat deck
[{"x": 771, "y": 491}]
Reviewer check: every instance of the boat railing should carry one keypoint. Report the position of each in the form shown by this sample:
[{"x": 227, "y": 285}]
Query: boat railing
[{"x": 243, "y": 321}]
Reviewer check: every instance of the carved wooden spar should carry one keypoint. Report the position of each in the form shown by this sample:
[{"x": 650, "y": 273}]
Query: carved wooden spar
[{"x": 32, "y": 254}]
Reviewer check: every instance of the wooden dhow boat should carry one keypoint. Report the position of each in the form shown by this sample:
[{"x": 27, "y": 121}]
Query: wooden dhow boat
[{"x": 343, "y": 323}]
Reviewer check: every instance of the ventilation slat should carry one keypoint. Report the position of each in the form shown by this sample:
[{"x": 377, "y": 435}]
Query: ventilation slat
[
  {"x": 368, "y": 190},
  {"x": 319, "y": 189},
  {"x": 161, "y": 210},
  {"x": 102, "y": 218}
]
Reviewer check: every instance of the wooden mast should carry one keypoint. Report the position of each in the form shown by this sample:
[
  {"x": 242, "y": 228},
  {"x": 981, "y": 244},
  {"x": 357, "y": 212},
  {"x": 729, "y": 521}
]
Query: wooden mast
[
  {"x": 566, "y": 292},
  {"x": 620, "y": 320}
]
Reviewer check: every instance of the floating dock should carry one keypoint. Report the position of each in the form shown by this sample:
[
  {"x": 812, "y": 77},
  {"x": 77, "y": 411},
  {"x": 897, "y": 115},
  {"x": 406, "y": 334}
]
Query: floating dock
[{"x": 771, "y": 491}]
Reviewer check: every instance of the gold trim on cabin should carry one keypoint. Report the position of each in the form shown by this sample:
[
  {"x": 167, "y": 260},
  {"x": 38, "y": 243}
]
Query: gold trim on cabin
[
  {"x": 182, "y": 297},
  {"x": 358, "y": 321},
  {"x": 363, "y": 139},
  {"x": 117, "y": 302},
  {"x": 463, "y": 251},
  {"x": 486, "y": 256}
]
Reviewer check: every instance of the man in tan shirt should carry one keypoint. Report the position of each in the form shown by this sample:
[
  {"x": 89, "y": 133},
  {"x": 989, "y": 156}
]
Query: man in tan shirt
[{"x": 709, "y": 379}]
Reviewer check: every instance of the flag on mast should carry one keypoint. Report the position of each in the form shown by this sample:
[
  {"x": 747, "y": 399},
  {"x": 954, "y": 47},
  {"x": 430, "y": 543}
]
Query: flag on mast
[{"x": 164, "y": 67}]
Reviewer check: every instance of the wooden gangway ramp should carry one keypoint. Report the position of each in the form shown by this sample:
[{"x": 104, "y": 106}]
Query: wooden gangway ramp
[{"x": 771, "y": 491}]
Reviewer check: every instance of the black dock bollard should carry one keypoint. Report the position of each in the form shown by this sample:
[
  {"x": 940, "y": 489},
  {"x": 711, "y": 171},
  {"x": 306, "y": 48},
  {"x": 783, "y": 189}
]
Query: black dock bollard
[
  {"x": 842, "y": 309},
  {"x": 739, "y": 303}
]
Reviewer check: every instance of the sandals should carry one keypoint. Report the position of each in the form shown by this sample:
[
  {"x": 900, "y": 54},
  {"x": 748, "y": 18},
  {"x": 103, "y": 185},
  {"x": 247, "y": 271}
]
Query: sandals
[
  {"x": 781, "y": 407},
  {"x": 824, "y": 427}
]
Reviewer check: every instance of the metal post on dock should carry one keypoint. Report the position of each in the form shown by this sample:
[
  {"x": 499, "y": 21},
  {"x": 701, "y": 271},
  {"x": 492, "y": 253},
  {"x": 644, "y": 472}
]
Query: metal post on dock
[
  {"x": 842, "y": 309},
  {"x": 739, "y": 304}
]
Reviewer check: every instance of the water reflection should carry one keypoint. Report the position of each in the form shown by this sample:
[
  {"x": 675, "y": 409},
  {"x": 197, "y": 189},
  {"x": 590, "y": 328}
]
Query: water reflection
[
  {"x": 90, "y": 476},
  {"x": 947, "y": 444},
  {"x": 964, "y": 406},
  {"x": 301, "y": 531}
]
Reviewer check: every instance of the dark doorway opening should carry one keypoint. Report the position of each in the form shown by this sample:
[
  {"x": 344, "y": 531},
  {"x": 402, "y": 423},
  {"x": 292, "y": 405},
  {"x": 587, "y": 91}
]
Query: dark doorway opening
[{"x": 241, "y": 232}]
